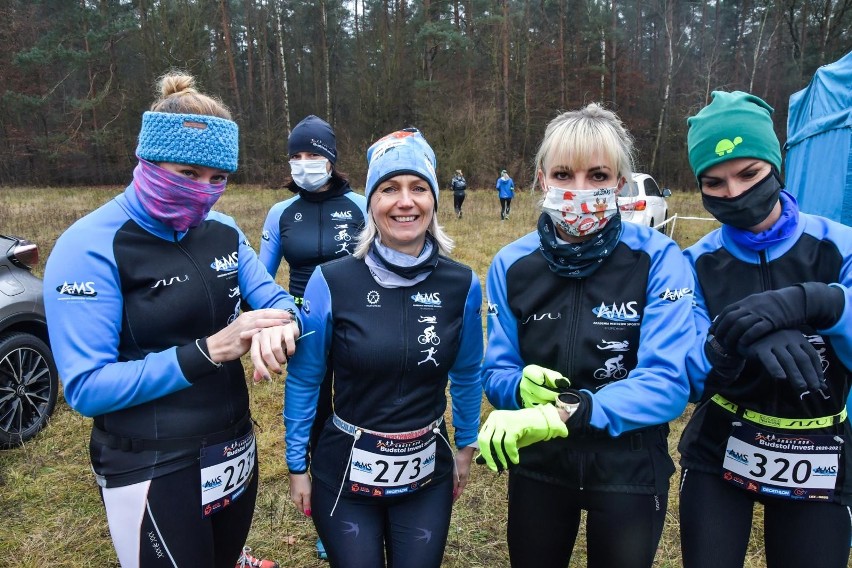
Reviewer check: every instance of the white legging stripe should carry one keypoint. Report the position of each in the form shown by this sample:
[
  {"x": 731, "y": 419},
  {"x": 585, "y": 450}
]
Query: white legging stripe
[{"x": 159, "y": 534}]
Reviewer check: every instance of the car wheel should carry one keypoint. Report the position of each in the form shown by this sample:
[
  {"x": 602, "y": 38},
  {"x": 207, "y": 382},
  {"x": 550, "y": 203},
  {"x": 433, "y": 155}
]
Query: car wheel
[
  {"x": 29, "y": 384},
  {"x": 665, "y": 218}
]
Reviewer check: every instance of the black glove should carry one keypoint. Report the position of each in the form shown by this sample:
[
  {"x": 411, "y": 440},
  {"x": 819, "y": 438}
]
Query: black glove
[
  {"x": 744, "y": 322},
  {"x": 787, "y": 355},
  {"x": 726, "y": 366}
]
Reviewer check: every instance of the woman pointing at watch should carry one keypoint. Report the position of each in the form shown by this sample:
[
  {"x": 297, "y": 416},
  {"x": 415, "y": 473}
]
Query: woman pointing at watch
[{"x": 589, "y": 324}]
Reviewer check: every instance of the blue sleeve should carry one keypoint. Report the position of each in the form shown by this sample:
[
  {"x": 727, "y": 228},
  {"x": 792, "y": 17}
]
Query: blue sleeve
[
  {"x": 697, "y": 365},
  {"x": 502, "y": 367},
  {"x": 840, "y": 333},
  {"x": 465, "y": 385},
  {"x": 84, "y": 305},
  {"x": 657, "y": 389},
  {"x": 257, "y": 287},
  {"x": 305, "y": 371},
  {"x": 270, "y": 239},
  {"x": 360, "y": 201}
]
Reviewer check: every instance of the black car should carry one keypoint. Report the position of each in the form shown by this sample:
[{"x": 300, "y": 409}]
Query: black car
[{"x": 29, "y": 383}]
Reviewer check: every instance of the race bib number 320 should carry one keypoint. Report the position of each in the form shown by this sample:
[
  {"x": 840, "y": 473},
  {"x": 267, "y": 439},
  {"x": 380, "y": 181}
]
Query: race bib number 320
[
  {"x": 383, "y": 467},
  {"x": 226, "y": 470},
  {"x": 786, "y": 465}
]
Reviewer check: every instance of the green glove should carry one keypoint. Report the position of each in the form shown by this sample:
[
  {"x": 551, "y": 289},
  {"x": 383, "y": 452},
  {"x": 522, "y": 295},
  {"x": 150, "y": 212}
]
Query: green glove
[
  {"x": 506, "y": 431},
  {"x": 541, "y": 386}
]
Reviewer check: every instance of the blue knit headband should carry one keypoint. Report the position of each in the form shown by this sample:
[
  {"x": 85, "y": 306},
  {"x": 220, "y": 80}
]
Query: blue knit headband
[{"x": 195, "y": 139}]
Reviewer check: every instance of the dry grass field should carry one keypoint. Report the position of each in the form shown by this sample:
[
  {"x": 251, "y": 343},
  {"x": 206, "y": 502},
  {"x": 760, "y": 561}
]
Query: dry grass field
[{"x": 50, "y": 512}]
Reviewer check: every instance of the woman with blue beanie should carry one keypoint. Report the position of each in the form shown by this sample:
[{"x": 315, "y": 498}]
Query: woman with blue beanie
[
  {"x": 143, "y": 301},
  {"x": 397, "y": 320},
  {"x": 318, "y": 224},
  {"x": 770, "y": 367}
]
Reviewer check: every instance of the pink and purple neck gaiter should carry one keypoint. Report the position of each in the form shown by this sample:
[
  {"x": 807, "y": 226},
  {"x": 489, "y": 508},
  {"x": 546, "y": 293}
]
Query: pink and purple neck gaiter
[{"x": 173, "y": 199}]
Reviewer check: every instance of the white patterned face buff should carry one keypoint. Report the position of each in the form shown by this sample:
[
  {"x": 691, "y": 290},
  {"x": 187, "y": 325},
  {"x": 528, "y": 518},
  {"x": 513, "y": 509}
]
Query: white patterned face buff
[{"x": 580, "y": 212}]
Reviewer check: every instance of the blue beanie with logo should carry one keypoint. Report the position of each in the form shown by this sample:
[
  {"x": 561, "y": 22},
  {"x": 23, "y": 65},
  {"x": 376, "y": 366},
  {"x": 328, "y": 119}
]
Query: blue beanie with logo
[
  {"x": 196, "y": 139},
  {"x": 313, "y": 135},
  {"x": 402, "y": 152}
]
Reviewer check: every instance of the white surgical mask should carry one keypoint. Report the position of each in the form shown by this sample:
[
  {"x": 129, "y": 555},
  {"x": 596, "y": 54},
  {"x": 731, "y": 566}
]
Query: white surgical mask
[
  {"x": 580, "y": 212},
  {"x": 310, "y": 175}
]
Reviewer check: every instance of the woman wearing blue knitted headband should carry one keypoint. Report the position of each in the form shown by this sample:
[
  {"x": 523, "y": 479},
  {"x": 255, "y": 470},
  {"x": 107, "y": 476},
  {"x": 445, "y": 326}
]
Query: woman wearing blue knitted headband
[
  {"x": 397, "y": 321},
  {"x": 143, "y": 301},
  {"x": 770, "y": 368}
]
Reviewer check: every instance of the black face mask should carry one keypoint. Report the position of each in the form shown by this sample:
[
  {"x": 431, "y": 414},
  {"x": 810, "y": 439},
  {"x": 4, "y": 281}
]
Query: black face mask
[{"x": 750, "y": 207}]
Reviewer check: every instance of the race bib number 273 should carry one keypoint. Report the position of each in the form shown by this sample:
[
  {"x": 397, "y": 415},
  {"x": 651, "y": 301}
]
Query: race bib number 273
[{"x": 383, "y": 467}]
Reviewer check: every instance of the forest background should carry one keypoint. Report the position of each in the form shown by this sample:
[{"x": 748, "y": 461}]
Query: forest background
[{"x": 480, "y": 78}]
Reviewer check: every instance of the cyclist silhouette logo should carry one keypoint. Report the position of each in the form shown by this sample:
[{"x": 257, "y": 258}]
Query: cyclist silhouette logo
[
  {"x": 612, "y": 369},
  {"x": 429, "y": 336}
]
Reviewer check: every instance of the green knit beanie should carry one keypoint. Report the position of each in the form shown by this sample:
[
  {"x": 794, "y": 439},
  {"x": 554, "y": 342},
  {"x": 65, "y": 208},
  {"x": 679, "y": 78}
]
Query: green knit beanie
[{"x": 733, "y": 125}]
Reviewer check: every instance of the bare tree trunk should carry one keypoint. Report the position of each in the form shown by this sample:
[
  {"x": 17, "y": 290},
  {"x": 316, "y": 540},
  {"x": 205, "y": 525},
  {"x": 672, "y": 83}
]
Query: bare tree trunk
[
  {"x": 285, "y": 98},
  {"x": 669, "y": 60},
  {"x": 613, "y": 31},
  {"x": 758, "y": 50},
  {"x": 265, "y": 81},
  {"x": 249, "y": 10},
  {"x": 504, "y": 101},
  {"x": 711, "y": 63},
  {"x": 562, "y": 85},
  {"x": 229, "y": 53},
  {"x": 428, "y": 47},
  {"x": 469, "y": 20},
  {"x": 527, "y": 81},
  {"x": 325, "y": 60}
]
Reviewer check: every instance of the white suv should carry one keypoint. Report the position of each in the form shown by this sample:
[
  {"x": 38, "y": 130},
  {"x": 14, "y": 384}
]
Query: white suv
[{"x": 642, "y": 201}]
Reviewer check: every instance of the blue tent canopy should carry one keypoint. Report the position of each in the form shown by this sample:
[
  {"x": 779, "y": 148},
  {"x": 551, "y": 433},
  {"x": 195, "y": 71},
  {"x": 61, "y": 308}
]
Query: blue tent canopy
[{"x": 819, "y": 143}]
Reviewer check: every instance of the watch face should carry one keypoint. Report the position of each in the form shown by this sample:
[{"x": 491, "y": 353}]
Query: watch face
[{"x": 567, "y": 398}]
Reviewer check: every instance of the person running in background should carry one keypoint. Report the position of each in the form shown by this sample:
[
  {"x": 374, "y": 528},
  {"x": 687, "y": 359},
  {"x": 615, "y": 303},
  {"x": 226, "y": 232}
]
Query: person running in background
[
  {"x": 506, "y": 191},
  {"x": 770, "y": 369},
  {"x": 318, "y": 224},
  {"x": 397, "y": 321},
  {"x": 458, "y": 185},
  {"x": 143, "y": 301},
  {"x": 589, "y": 325}
]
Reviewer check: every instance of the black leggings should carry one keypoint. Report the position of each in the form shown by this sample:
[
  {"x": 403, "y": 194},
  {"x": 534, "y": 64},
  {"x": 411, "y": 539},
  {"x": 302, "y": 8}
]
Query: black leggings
[
  {"x": 622, "y": 529},
  {"x": 716, "y": 518},
  {"x": 458, "y": 200},
  {"x": 412, "y": 530},
  {"x": 158, "y": 524},
  {"x": 505, "y": 206}
]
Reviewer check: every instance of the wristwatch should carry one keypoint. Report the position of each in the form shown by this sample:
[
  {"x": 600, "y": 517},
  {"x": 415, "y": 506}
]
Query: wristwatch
[{"x": 569, "y": 402}]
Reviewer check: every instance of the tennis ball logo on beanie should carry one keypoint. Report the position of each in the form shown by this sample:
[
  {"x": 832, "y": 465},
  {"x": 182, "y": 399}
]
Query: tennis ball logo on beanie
[{"x": 725, "y": 146}]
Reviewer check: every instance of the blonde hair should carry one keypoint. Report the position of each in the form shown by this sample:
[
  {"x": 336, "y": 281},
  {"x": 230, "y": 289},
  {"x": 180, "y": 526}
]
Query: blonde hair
[
  {"x": 178, "y": 95},
  {"x": 577, "y": 136},
  {"x": 370, "y": 231}
]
